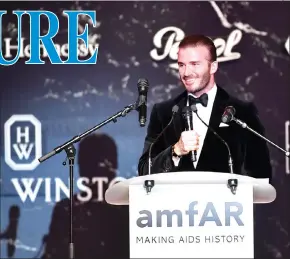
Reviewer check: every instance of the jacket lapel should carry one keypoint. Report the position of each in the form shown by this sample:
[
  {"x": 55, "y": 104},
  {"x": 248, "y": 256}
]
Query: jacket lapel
[{"x": 219, "y": 105}]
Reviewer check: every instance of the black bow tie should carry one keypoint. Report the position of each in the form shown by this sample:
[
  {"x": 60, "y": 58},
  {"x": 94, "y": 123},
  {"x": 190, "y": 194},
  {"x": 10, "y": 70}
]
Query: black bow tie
[{"x": 203, "y": 99}]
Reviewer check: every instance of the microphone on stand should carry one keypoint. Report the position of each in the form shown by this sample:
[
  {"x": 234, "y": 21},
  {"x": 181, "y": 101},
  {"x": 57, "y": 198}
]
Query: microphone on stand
[
  {"x": 143, "y": 85},
  {"x": 187, "y": 115},
  {"x": 11, "y": 231},
  {"x": 150, "y": 183},
  {"x": 232, "y": 183},
  {"x": 229, "y": 115}
]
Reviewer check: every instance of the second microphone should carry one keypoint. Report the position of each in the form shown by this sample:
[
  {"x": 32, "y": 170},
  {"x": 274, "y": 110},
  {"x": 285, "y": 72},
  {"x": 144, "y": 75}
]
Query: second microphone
[{"x": 187, "y": 116}]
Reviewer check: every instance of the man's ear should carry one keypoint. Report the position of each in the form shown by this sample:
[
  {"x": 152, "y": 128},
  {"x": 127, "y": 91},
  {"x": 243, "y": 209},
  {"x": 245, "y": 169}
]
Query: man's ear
[{"x": 213, "y": 67}]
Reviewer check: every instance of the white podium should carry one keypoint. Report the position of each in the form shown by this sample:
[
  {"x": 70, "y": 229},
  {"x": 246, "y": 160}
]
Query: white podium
[{"x": 191, "y": 214}]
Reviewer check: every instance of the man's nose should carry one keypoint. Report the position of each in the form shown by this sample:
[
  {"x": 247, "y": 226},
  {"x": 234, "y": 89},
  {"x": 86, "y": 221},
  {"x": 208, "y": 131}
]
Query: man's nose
[{"x": 187, "y": 71}]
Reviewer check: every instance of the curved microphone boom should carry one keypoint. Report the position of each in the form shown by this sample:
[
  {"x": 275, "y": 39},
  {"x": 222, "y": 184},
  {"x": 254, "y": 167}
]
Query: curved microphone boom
[
  {"x": 229, "y": 115},
  {"x": 175, "y": 109},
  {"x": 230, "y": 161},
  {"x": 187, "y": 115},
  {"x": 143, "y": 86},
  {"x": 232, "y": 183},
  {"x": 148, "y": 184}
]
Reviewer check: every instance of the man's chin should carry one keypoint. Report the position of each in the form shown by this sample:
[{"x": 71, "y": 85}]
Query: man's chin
[{"x": 192, "y": 88}]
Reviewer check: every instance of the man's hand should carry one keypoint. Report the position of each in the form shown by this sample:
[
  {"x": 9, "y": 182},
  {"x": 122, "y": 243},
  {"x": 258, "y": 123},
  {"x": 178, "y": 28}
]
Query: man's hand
[{"x": 188, "y": 141}]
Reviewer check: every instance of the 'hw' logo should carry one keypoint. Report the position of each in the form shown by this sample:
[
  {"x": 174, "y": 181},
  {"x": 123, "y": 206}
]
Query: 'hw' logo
[{"x": 23, "y": 144}]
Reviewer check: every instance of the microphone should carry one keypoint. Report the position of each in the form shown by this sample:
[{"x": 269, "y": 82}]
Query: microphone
[
  {"x": 230, "y": 160},
  {"x": 229, "y": 115},
  {"x": 143, "y": 85},
  {"x": 150, "y": 183},
  {"x": 232, "y": 183},
  {"x": 11, "y": 232},
  {"x": 187, "y": 115}
]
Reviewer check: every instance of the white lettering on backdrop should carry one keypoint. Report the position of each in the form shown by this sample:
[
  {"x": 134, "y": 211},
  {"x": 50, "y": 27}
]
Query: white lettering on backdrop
[{"x": 169, "y": 48}]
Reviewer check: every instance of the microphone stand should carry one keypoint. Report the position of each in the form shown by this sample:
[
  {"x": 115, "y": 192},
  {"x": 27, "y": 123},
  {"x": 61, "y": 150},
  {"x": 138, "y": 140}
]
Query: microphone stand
[
  {"x": 245, "y": 126},
  {"x": 149, "y": 184},
  {"x": 70, "y": 150},
  {"x": 232, "y": 183}
]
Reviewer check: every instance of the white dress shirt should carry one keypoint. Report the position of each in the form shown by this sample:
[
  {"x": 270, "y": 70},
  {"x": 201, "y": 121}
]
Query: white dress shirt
[{"x": 204, "y": 113}]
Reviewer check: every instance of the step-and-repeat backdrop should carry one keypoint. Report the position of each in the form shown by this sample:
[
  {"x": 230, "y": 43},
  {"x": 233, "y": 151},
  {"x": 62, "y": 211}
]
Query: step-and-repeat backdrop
[{"x": 43, "y": 106}]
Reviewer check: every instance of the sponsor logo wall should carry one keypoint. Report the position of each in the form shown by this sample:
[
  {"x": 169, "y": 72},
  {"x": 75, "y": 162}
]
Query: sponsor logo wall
[{"x": 43, "y": 106}]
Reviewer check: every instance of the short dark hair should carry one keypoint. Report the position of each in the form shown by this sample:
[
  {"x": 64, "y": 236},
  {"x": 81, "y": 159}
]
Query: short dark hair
[{"x": 200, "y": 40}]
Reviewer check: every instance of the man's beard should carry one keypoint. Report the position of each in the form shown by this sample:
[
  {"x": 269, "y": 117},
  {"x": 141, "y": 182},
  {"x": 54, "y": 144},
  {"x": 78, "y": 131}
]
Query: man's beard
[{"x": 203, "y": 84}]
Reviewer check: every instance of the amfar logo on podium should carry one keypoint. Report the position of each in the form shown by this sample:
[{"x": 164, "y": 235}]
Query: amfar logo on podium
[
  {"x": 45, "y": 42},
  {"x": 187, "y": 217},
  {"x": 168, "y": 46},
  {"x": 23, "y": 142}
]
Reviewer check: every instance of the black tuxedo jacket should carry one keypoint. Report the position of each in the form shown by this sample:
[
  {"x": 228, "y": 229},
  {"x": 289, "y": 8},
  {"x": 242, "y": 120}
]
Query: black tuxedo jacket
[{"x": 249, "y": 152}]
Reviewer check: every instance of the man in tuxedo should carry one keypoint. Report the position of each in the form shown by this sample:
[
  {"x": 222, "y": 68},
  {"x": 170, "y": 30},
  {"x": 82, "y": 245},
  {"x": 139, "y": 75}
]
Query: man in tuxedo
[{"x": 197, "y": 63}]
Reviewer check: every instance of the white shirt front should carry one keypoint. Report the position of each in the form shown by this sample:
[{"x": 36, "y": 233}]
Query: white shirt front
[{"x": 204, "y": 113}]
